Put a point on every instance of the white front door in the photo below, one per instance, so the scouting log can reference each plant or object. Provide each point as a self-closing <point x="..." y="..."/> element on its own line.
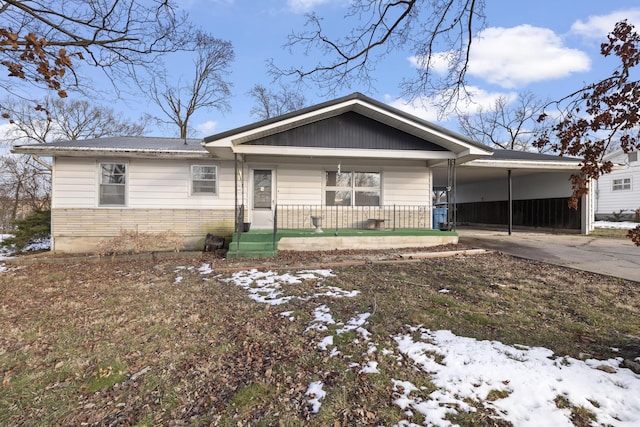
<point x="263" y="198"/>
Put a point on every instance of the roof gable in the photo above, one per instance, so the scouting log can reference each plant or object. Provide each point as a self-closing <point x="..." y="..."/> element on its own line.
<point x="349" y="130"/>
<point x="434" y="138"/>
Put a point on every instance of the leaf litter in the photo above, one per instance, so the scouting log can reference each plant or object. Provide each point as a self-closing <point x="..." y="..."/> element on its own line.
<point x="199" y="345"/>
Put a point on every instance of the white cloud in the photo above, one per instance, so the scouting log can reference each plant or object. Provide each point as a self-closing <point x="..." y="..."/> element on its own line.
<point x="428" y="109"/>
<point x="514" y="57"/>
<point x="207" y="128"/>
<point x="597" y="27"/>
<point x="302" y="6"/>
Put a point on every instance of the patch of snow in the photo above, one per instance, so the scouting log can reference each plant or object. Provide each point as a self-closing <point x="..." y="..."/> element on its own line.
<point x="205" y="269"/>
<point x="355" y="324"/>
<point x="39" y="245"/>
<point x="371" y="368"/>
<point x="325" y="342"/>
<point x="444" y="291"/>
<point x="533" y="378"/>
<point x="266" y="287"/>
<point x="625" y="225"/>
<point x="177" y="280"/>
<point x="316" y="393"/>
<point x="288" y="314"/>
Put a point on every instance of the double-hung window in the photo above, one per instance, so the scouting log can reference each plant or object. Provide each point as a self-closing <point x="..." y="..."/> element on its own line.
<point x="113" y="182"/>
<point x="204" y="179"/>
<point x="622" y="184"/>
<point x="352" y="188"/>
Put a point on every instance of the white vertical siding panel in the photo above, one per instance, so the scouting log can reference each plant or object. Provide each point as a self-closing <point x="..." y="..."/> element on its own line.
<point x="75" y="183"/>
<point x="408" y="186"/>
<point x="296" y="185"/>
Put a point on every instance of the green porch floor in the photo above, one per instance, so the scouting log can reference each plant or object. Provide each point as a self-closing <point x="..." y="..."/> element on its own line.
<point x="260" y="243"/>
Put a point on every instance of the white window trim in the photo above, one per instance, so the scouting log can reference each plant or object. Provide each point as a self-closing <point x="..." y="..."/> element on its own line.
<point x="217" y="182"/>
<point x="125" y="185"/>
<point x="353" y="188"/>
<point x="620" y="182"/>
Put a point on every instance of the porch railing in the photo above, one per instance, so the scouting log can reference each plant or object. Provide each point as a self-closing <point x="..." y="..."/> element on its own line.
<point x="386" y="217"/>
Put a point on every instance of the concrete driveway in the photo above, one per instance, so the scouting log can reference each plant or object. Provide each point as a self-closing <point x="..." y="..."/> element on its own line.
<point x="613" y="257"/>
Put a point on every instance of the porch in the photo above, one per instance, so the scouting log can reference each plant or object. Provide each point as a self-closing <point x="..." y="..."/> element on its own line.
<point x="325" y="228"/>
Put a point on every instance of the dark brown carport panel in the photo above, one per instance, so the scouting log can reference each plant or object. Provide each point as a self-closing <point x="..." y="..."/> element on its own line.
<point x="543" y="213"/>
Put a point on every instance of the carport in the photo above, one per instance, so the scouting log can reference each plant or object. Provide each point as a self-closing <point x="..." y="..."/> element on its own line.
<point x="516" y="188"/>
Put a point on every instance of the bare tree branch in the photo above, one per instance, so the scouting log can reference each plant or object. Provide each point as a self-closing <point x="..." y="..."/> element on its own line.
<point x="272" y="104"/>
<point x="208" y="88"/>
<point x="506" y="125"/>
<point x="435" y="30"/>
<point x="42" y="42"/>
<point x="607" y="112"/>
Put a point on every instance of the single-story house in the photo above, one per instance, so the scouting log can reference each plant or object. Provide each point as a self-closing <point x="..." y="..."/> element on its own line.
<point x="352" y="162"/>
<point x="618" y="192"/>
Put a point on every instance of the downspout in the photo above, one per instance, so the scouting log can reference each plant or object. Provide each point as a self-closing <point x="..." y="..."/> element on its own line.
<point x="41" y="162"/>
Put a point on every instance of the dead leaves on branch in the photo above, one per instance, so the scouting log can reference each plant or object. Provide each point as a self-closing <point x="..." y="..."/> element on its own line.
<point x="601" y="115"/>
<point x="30" y="58"/>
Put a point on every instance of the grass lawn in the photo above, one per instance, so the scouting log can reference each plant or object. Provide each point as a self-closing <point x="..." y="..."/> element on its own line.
<point x="168" y="342"/>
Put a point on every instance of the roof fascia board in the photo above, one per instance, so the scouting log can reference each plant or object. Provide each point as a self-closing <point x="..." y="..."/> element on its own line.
<point x="94" y="152"/>
<point x="523" y="164"/>
<point x="443" y="138"/>
<point x="341" y="152"/>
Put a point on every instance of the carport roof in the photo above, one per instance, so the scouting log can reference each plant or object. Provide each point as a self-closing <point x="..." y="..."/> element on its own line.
<point x="496" y="166"/>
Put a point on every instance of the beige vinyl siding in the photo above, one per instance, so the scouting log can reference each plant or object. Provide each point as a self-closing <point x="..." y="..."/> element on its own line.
<point x="151" y="183"/>
<point x="75" y="183"/>
<point x="409" y="186"/>
<point x="299" y="185"/>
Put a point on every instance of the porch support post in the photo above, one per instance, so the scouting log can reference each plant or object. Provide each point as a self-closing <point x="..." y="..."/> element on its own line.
<point x="510" y="202"/>
<point x="235" y="193"/>
<point x="452" y="210"/>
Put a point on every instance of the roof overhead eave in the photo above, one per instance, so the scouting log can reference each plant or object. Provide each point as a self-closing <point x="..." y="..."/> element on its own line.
<point x="93" y="152"/>
<point x="525" y="164"/>
<point x="340" y="152"/>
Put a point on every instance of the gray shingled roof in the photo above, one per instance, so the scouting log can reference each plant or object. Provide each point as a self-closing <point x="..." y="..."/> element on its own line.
<point x="125" y="143"/>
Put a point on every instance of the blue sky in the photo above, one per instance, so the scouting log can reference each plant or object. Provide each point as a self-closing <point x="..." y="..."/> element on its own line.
<point x="551" y="49"/>
<point x="547" y="47"/>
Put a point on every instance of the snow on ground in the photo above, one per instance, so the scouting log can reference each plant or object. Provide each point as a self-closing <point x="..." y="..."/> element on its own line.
<point x="625" y="225"/>
<point x="528" y="381"/>
<point x="531" y="377"/>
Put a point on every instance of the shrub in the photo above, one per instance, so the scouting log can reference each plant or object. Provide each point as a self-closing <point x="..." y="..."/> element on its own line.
<point x="31" y="229"/>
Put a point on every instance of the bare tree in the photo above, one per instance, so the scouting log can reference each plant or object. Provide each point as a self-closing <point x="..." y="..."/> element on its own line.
<point x="42" y="42"/>
<point x="380" y="27"/>
<point x="506" y="125"/>
<point x="598" y="115"/>
<point x="25" y="181"/>
<point x="68" y="120"/>
<point x="271" y="104"/>
<point x="25" y="186"/>
<point x="208" y="89"/>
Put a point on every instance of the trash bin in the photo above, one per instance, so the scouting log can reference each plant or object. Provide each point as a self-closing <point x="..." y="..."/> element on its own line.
<point x="439" y="216"/>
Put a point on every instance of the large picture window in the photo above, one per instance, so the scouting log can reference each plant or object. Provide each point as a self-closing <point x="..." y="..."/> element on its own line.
<point x="113" y="181"/>
<point x="352" y="188"/>
<point x="204" y="179"/>
<point x="622" y="184"/>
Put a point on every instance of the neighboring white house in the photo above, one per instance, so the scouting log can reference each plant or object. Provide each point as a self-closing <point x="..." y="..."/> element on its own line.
<point x="618" y="192"/>
<point x="353" y="157"/>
